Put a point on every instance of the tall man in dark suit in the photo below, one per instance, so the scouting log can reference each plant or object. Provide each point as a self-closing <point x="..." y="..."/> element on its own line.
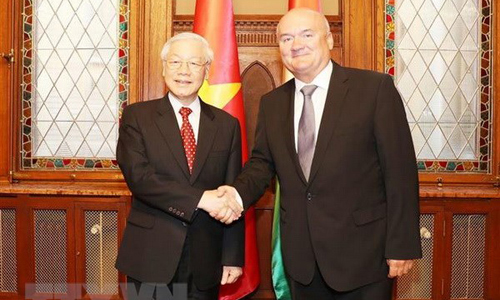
<point x="338" y="140"/>
<point x="170" y="151"/>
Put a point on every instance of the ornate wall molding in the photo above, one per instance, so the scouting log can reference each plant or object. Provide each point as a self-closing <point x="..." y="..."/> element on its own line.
<point x="258" y="31"/>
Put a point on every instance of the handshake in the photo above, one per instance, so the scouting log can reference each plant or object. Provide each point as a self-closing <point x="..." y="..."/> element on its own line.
<point x="221" y="204"/>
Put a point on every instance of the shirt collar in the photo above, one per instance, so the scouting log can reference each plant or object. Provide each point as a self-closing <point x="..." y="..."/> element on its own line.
<point x="177" y="105"/>
<point x="321" y="80"/>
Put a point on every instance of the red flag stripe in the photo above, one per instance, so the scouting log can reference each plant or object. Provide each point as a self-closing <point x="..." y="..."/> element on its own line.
<point x="237" y="109"/>
<point x="312" y="4"/>
<point x="214" y="20"/>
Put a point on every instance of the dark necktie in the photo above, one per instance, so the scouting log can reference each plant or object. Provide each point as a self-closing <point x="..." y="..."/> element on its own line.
<point x="188" y="140"/>
<point x="306" y="132"/>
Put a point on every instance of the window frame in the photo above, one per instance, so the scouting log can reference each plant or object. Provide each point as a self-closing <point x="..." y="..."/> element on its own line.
<point x="452" y="178"/>
<point x="135" y="61"/>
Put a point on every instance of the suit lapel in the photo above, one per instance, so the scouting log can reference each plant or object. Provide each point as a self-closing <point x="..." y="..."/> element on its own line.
<point x="167" y="124"/>
<point x="206" y="137"/>
<point x="335" y="97"/>
<point x="289" y="96"/>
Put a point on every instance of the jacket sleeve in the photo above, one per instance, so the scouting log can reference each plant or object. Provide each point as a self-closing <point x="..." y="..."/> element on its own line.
<point x="151" y="188"/>
<point x="397" y="158"/>
<point x="259" y="170"/>
<point x="233" y="253"/>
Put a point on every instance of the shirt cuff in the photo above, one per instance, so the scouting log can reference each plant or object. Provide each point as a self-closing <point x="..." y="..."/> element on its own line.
<point x="238" y="198"/>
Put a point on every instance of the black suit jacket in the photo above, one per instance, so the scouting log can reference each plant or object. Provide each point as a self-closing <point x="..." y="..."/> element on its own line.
<point x="360" y="205"/>
<point x="165" y="196"/>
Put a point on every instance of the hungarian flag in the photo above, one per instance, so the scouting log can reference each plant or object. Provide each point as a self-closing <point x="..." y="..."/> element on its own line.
<point x="214" y="20"/>
<point x="280" y="281"/>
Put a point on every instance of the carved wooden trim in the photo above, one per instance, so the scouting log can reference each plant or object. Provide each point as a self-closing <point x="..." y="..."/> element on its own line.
<point x="266" y="69"/>
<point x="257" y="31"/>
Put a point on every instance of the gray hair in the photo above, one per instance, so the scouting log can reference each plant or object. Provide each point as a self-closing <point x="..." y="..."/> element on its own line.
<point x="209" y="53"/>
<point x="325" y="20"/>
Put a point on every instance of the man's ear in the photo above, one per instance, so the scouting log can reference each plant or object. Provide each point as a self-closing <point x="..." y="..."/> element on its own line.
<point x="207" y="71"/>
<point x="329" y="40"/>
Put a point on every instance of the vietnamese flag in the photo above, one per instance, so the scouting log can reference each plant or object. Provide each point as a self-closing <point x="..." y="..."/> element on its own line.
<point x="214" y="21"/>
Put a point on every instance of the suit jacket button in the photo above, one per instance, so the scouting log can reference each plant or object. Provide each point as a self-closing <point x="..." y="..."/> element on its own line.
<point x="182" y="214"/>
<point x="178" y="213"/>
<point x="170" y="208"/>
<point x="309" y="196"/>
<point x="174" y="210"/>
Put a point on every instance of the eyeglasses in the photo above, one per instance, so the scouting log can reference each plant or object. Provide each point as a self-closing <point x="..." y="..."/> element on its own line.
<point x="192" y="65"/>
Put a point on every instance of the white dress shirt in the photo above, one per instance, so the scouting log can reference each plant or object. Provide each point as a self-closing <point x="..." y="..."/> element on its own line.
<point x="322" y="80"/>
<point x="194" y="117"/>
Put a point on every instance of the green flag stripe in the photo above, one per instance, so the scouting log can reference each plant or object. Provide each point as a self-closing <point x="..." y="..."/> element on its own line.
<point x="280" y="281"/>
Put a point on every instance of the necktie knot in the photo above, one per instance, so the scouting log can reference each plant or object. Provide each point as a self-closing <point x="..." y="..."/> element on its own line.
<point x="185" y="112"/>
<point x="308" y="90"/>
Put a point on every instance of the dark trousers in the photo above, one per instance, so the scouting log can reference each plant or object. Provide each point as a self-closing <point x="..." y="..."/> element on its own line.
<point x="181" y="287"/>
<point x="318" y="289"/>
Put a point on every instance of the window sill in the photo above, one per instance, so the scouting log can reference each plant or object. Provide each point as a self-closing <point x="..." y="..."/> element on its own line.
<point x="65" y="189"/>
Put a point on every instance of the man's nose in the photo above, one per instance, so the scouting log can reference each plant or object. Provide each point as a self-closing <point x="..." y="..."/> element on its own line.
<point x="297" y="43"/>
<point x="184" y="68"/>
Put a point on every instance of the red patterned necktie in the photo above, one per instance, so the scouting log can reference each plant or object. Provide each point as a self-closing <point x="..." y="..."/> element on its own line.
<point x="188" y="139"/>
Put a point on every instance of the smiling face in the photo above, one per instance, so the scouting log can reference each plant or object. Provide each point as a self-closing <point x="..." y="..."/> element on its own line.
<point x="181" y="70"/>
<point x="304" y="43"/>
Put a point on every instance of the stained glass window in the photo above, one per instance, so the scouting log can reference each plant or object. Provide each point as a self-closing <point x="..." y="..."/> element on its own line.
<point x="74" y="82"/>
<point x="439" y="52"/>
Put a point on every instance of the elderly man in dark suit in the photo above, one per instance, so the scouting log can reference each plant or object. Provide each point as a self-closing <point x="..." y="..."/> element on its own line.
<point x="338" y="140"/>
<point x="171" y="150"/>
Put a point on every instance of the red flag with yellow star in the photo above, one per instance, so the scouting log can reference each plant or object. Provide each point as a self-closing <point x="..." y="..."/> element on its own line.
<point x="214" y="21"/>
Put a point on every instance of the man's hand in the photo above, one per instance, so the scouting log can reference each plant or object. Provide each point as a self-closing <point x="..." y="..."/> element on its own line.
<point x="230" y="274"/>
<point x="399" y="268"/>
<point x="228" y="191"/>
<point x="221" y="207"/>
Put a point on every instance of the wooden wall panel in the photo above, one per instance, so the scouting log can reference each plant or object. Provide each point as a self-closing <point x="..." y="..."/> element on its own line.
<point x="496" y="98"/>
<point x="73" y="206"/>
<point x="136" y="53"/>
<point x="359" y="19"/>
<point x="256" y="80"/>
<point x="264" y="222"/>
<point x="6" y="73"/>
<point x="493" y="253"/>
<point x="156" y="30"/>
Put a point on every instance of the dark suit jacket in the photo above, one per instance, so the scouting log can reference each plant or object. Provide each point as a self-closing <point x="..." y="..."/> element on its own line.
<point x="152" y="159"/>
<point x="361" y="203"/>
